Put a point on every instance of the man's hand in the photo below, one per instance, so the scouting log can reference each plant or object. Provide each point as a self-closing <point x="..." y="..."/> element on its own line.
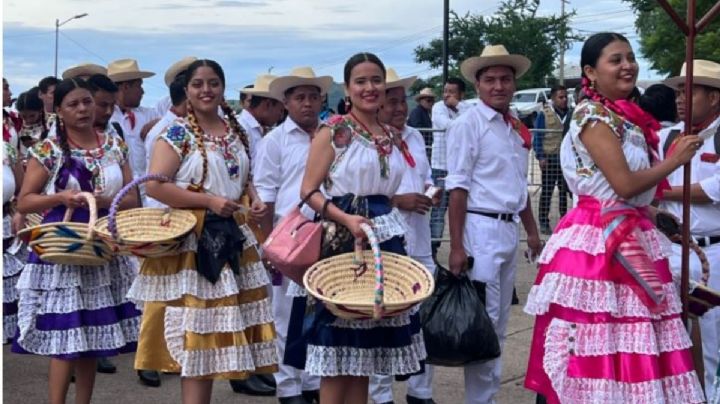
<point x="414" y="202"/>
<point x="457" y="261"/>
<point x="535" y="245"/>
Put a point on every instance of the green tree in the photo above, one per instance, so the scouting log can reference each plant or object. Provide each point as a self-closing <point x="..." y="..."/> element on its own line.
<point x="662" y="42"/>
<point x="515" y="25"/>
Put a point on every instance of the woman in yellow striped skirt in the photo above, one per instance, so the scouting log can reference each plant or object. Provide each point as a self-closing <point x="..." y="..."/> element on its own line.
<point x="206" y="312"/>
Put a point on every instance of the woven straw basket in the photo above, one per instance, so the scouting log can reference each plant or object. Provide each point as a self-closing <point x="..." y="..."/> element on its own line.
<point x="144" y="232"/>
<point x="66" y="242"/>
<point x="351" y="289"/>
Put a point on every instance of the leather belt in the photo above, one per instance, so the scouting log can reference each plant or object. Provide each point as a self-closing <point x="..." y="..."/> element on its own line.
<point x="703" y="241"/>
<point x="508" y="217"/>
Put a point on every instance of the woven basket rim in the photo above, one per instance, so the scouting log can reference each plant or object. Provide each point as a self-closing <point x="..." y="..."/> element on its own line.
<point x="52" y="255"/>
<point x="369" y="303"/>
<point x="101" y="226"/>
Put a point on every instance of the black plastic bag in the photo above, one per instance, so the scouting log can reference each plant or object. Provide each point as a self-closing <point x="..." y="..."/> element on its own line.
<point x="456" y="327"/>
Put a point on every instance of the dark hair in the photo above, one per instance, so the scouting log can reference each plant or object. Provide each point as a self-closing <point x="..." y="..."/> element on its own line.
<point x="62" y="89"/>
<point x="30" y="101"/>
<point x="290" y="91"/>
<point x="177" y="90"/>
<point x="47" y="82"/>
<point x="659" y="101"/>
<point x="358" y="58"/>
<point x="256" y="100"/>
<point x="99" y="82"/>
<point x="484" y="69"/>
<point x="593" y="47"/>
<point x="460" y="83"/>
<point x="243" y="95"/>
<point x="556" y="88"/>
<point x="229" y="113"/>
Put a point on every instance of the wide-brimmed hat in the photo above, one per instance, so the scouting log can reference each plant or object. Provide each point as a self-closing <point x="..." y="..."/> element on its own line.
<point x="83" y="69"/>
<point x="261" y="88"/>
<point x="300" y="76"/>
<point x="426" y="92"/>
<point x="494" y="55"/>
<point x="705" y="72"/>
<point x="392" y="80"/>
<point x="177" y="68"/>
<point x="125" y="70"/>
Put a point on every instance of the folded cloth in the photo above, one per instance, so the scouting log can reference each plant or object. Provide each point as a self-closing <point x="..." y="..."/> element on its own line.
<point x="220" y="243"/>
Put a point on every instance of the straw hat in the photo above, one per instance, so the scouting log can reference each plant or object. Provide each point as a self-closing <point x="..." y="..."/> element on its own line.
<point x="300" y="76"/>
<point x="426" y="92"/>
<point x="177" y="68"/>
<point x="125" y="70"/>
<point x="83" y="69"/>
<point x="261" y="88"/>
<point x="494" y="55"/>
<point x="705" y="72"/>
<point x="392" y="80"/>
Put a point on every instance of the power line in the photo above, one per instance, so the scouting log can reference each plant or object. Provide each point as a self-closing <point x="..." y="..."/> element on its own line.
<point x="81" y="46"/>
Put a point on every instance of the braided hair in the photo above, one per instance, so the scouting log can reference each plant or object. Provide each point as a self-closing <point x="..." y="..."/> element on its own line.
<point x="61" y="91"/>
<point x="200" y="142"/>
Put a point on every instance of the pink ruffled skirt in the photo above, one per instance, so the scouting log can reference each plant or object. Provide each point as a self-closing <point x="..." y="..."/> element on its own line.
<point x="595" y="341"/>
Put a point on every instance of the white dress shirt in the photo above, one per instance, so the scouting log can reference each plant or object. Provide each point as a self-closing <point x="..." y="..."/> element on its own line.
<point x="704" y="218"/>
<point x="280" y="166"/>
<point x="441" y="118"/>
<point x="486" y="157"/>
<point x="414" y="181"/>
<point x="150" y="139"/>
<point x="131" y="134"/>
<point x="254" y="131"/>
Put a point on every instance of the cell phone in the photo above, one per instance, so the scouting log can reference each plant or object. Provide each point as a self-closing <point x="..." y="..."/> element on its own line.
<point x="432" y="191"/>
<point x="469" y="263"/>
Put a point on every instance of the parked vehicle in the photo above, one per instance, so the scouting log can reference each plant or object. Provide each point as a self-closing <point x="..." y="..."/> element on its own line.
<point x="528" y="103"/>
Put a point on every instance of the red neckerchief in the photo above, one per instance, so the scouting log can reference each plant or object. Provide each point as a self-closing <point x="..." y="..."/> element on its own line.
<point x="404" y="149"/>
<point x="696" y="129"/>
<point x="519" y="128"/>
<point x="131" y="116"/>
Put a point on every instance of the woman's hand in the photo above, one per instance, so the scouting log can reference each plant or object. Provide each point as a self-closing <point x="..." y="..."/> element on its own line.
<point x="685" y="148"/>
<point x="258" y="210"/>
<point x="71" y="199"/>
<point x="414" y="202"/>
<point x="222" y="206"/>
<point x="353" y="222"/>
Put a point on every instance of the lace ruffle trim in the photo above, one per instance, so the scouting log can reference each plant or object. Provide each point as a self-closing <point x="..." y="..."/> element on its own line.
<point x="591" y="296"/>
<point x="211" y="361"/>
<point x="147" y="288"/>
<point x="389" y="225"/>
<point x="590" y="239"/>
<point x="350" y="361"/>
<point x="647" y="338"/>
<point x="13" y="264"/>
<point x="49" y="277"/>
<point x="221" y="319"/>
<point x="10" y="323"/>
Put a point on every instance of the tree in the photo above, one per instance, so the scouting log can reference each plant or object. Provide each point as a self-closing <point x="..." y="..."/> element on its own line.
<point x="516" y="25"/>
<point x="662" y="42"/>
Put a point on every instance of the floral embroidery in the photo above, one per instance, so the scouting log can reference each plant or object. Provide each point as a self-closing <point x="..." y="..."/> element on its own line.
<point x="45" y="153"/>
<point x="10" y="155"/>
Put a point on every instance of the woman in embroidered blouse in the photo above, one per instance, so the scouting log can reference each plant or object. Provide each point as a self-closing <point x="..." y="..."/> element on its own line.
<point x="14" y="255"/>
<point x="32" y="112"/>
<point x="608" y="325"/>
<point x="206" y="310"/>
<point x="75" y="314"/>
<point x="355" y="157"/>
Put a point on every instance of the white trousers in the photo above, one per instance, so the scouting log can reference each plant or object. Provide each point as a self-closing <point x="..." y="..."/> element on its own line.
<point x="710" y="322"/>
<point x="493" y="243"/>
<point x="419" y="386"/>
<point x="290" y="381"/>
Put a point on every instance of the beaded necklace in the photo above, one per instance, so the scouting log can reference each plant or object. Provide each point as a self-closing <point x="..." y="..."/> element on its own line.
<point x="382" y="145"/>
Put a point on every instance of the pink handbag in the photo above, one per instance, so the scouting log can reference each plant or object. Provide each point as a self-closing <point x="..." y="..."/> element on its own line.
<point x="294" y="244"/>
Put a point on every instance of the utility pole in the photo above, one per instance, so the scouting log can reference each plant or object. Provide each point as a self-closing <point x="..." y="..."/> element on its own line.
<point x="446" y="38"/>
<point x="561" y="79"/>
<point x="58" y="24"/>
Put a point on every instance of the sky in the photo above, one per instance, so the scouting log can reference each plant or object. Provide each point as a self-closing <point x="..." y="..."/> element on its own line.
<point x="250" y="37"/>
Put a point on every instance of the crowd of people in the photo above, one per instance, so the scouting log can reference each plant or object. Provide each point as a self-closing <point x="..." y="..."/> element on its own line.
<point x="608" y="315"/>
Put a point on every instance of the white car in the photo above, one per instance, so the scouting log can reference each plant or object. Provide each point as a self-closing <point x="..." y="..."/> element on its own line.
<point x="528" y="103"/>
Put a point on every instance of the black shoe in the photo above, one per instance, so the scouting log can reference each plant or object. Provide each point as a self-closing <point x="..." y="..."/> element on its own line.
<point x="105" y="366"/>
<point x="414" y="400"/>
<point x="515" y="299"/>
<point x="293" y="400"/>
<point x="311" y="396"/>
<point x="268" y="379"/>
<point x="252" y="386"/>
<point x="149" y="378"/>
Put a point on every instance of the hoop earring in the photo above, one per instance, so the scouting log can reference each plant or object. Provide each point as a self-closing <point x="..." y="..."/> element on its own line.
<point x="592" y="84"/>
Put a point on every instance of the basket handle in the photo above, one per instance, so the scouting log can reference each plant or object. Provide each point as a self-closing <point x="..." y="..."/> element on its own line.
<point x="114" y="206"/>
<point x="92" y="207"/>
<point x="379" y="308"/>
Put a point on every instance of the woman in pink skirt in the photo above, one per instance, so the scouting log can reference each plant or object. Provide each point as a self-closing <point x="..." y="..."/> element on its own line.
<point x="608" y="327"/>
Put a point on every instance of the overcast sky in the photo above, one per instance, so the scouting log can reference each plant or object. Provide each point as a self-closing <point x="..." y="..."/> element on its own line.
<point x="248" y="37"/>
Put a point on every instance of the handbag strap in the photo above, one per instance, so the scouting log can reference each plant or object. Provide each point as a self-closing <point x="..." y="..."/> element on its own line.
<point x="307" y="197"/>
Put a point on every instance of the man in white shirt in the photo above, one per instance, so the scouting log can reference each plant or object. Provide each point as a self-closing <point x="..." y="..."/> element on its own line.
<point x="415" y="206"/>
<point x="487" y="155"/>
<point x="263" y="111"/>
<point x="131" y="117"/>
<point x="279" y="169"/>
<point x="704" y="194"/>
<point x="444" y="112"/>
